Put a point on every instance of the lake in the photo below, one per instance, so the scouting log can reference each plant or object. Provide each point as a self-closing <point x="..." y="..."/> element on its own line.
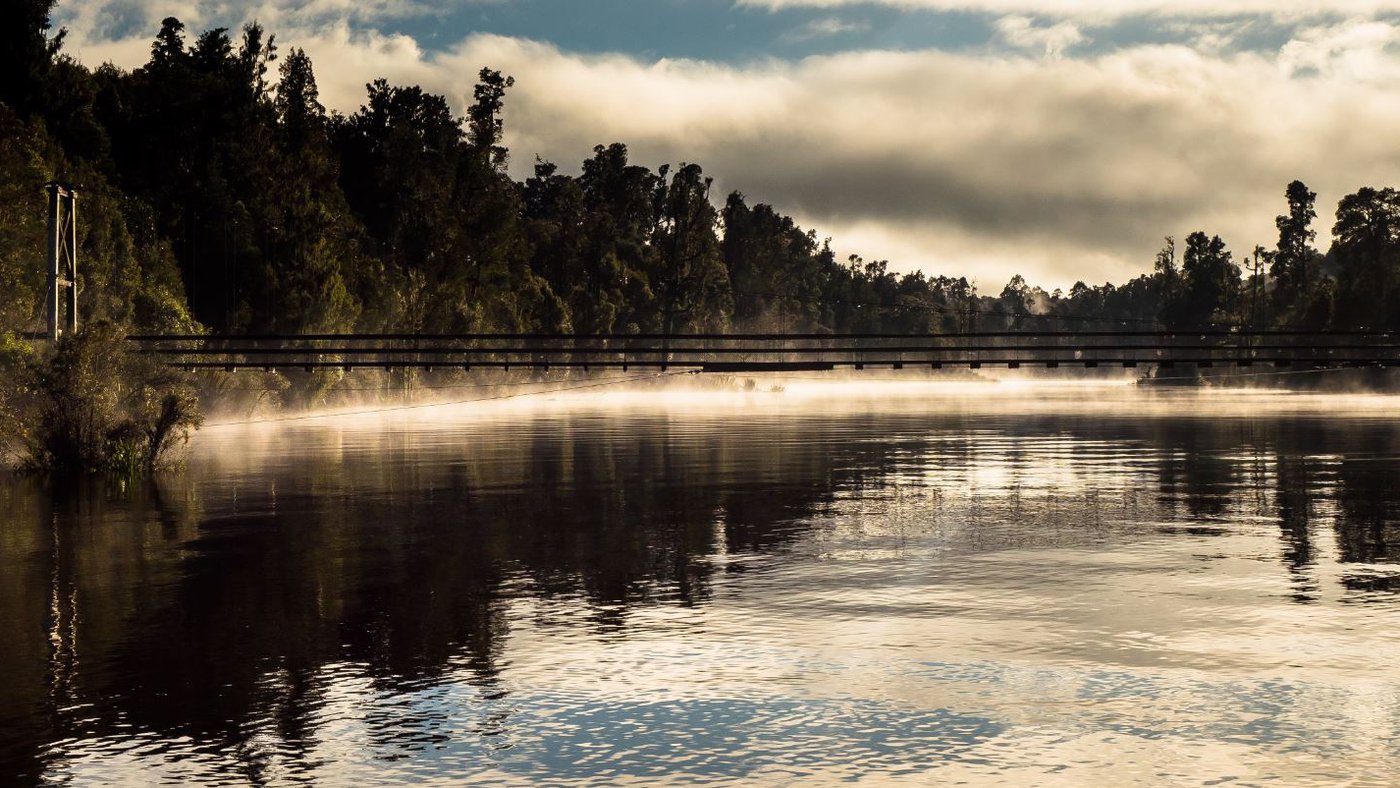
<point x="897" y="583"/>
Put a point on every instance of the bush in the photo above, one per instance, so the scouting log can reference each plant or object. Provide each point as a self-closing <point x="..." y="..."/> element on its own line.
<point x="92" y="404"/>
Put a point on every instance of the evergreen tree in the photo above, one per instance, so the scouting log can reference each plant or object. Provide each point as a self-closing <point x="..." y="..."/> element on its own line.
<point x="1294" y="265"/>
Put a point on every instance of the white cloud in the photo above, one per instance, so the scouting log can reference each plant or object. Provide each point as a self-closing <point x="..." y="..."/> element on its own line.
<point x="121" y="30"/>
<point x="965" y="163"/>
<point x="1022" y="32"/>
<point x="1113" y="9"/>
<point x="1352" y="51"/>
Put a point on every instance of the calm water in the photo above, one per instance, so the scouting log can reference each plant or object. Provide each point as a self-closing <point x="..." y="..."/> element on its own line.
<point x="983" y="583"/>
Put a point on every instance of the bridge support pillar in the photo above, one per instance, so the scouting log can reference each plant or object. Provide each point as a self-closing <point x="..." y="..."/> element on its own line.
<point x="63" y="259"/>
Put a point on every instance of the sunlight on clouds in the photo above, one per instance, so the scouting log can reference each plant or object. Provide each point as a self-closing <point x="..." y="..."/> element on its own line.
<point x="127" y="52"/>
<point x="1022" y="32"/>
<point x="120" y="18"/>
<point x="1063" y="163"/>
<point x="121" y="31"/>
<point x="1112" y="9"/>
<point x="944" y="249"/>
<point x="969" y="163"/>
<point x="1355" y="51"/>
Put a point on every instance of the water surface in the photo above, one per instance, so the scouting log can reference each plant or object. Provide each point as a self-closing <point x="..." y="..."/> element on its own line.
<point x="1063" y="584"/>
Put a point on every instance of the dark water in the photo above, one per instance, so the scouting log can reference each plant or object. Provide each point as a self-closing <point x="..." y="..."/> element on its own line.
<point x="1053" y="586"/>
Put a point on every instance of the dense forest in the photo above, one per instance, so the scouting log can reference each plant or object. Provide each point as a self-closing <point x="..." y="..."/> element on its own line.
<point x="219" y="194"/>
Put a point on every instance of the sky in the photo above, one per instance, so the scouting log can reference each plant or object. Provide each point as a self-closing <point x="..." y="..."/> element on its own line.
<point x="1058" y="139"/>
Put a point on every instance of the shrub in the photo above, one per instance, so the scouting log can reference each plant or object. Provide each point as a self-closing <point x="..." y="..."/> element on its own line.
<point x="92" y="404"/>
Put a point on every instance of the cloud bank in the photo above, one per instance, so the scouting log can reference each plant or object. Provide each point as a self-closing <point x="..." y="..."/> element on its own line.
<point x="1112" y="9"/>
<point x="975" y="163"/>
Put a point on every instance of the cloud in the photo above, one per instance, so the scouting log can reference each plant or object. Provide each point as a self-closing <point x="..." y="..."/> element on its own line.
<point x="120" y="31"/>
<point x="825" y="27"/>
<point x="966" y="163"/>
<point x="969" y="163"/>
<point x="1022" y="32"/>
<point x="1356" y="52"/>
<point x="1113" y="9"/>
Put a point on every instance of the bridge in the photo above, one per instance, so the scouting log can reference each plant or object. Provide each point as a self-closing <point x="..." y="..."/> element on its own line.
<point x="783" y="352"/>
<point x="720" y="353"/>
<point x="723" y="352"/>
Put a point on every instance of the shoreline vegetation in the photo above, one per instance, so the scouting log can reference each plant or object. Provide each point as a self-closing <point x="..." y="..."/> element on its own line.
<point x="91" y="405"/>
<point x="219" y="195"/>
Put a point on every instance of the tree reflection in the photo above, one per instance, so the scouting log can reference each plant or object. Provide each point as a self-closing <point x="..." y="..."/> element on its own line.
<point x="226" y="614"/>
<point x="1368" y="520"/>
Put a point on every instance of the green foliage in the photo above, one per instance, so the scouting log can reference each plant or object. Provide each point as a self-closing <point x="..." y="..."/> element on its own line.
<point x="92" y="404"/>
<point x="17" y="362"/>
<point x="23" y="170"/>
<point x="215" y="192"/>
<point x="775" y="269"/>
<point x="126" y="272"/>
<point x="687" y="273"/>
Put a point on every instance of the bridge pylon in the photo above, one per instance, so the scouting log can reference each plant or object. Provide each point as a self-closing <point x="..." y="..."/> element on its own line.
<point x="63" y="259"/>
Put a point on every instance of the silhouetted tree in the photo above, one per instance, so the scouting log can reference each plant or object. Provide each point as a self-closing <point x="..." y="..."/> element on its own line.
<point x="1295" y="265"/>
<point x="618" y="255"/>
<point x="1366" y="246"/>
<point x="689" y="279"/>
<point x="1207" y="291"/>
<point x="485" y="127"/>
<point x="773" y="271"/>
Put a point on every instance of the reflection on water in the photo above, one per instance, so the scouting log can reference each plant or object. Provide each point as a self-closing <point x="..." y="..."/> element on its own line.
<point x="1071" y="584"/>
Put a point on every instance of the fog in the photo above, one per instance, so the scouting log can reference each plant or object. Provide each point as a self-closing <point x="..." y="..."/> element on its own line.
<point x="1113" y="392"/>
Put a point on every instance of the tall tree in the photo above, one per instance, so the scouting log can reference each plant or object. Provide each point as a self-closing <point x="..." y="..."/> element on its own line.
<point x="497" y="288"/>
<point x="554" y="221"/>
<point x="1212" y="282"/>
<point x="1168" y="275"/>
<point x="298" y="101"/>
<point x="1294" y="264"/>
<point x="399" y="157"/>
<point x="1205" y="293"/>
<point x="1366" y="245"/>
<point x="308" y="278"/>
<point x="773" y="273"/>
<point x="618" y="256"/>
<point x="689" y="279"/>
<point x="485" y="126"/>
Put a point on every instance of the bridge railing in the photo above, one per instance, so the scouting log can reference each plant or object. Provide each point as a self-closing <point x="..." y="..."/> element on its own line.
<point x="756" y="352"/>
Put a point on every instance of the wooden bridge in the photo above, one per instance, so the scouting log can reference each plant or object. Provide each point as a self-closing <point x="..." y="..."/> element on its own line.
<point x="748" y="352"/>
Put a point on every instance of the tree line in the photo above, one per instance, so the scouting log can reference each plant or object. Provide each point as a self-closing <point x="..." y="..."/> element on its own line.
<point x="219" y="194"/>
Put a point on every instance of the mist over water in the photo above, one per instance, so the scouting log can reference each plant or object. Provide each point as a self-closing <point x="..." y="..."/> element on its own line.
<point x="885" y="582"/>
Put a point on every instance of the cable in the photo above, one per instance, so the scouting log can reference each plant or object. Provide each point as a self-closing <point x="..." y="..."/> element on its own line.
<point x="449" y="386"/>
<point x="1268" y="374"/>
